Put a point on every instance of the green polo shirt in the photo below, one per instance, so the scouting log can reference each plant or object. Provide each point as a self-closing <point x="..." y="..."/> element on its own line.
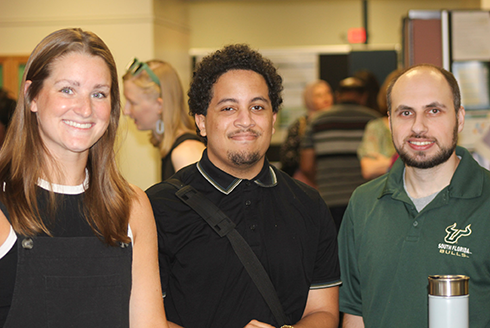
<point x="387" y="249"/>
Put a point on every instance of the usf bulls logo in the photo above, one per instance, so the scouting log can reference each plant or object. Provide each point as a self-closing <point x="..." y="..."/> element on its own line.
<point x="454" y="234"/>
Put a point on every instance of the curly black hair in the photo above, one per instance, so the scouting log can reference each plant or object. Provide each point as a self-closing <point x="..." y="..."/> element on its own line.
<point x="231" y="57"/>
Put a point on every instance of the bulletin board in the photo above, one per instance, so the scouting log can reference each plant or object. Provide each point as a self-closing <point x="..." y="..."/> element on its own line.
<point x="470" y="64"/>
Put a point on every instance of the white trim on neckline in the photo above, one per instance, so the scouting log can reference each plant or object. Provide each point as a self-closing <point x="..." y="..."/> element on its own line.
<point x="62" y="189"/>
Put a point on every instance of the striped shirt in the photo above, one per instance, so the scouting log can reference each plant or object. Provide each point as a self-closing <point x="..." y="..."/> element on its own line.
<point x="335" y="136"/>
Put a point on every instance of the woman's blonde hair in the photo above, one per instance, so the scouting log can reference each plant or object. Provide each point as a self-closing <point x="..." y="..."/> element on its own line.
<point x="24" y="157"/>
<point x="175" y="115"/>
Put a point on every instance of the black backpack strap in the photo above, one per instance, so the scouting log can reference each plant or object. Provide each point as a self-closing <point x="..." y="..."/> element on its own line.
<point x="225" y="227"/>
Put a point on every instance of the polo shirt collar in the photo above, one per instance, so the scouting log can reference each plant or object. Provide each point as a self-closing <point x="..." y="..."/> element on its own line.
<point x="226" y="183"/>
<point x="394" y="182"/>
<point x="467" y="181"/>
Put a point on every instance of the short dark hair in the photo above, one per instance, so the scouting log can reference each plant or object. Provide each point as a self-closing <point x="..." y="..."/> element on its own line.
<point x="231" y="57"/>
<point x="451" y="80"/>
<point x="352" y="84"/>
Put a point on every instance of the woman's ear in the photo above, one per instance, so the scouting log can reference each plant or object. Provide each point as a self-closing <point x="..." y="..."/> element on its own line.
<point x="160" y="105"/>
<point x="27" y="85"/>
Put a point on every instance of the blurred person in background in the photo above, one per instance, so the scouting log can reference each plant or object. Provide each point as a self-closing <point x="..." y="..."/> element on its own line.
<point x="317" y="96"/>
<point x="376" y="151"/>
<point x="329" y="147"/>
<point x="372" y="87"/>
<point x="155" y="101"/>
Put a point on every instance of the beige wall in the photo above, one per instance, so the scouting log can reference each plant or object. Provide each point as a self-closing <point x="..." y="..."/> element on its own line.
<point x="485" y="4"/>
<point x="266" y="24"/>
<point x="172" y="36"/>
<point x="167" y="29"/>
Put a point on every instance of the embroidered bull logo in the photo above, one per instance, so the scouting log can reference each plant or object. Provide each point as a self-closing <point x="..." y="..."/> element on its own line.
<point x="454" y="234"/>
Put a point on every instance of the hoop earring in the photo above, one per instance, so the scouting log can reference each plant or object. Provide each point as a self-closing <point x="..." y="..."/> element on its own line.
<point x="160" y="127"/>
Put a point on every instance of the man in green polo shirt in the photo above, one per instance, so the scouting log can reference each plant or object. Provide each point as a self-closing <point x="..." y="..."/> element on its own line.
<point x="429" y="215"/>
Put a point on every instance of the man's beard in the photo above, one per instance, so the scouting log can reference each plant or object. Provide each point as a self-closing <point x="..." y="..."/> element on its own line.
<point x="243" y="158"/>
<point x="441" y="157"/>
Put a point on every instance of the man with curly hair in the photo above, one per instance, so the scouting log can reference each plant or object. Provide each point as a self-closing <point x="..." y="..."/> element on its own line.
<point x="235" y="96"/>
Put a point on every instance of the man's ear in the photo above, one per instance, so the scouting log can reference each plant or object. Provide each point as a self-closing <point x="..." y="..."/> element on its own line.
<point x="389" y="119"/>
<point x="274" y="117"/>
<point x="201" y="124"/>
<point x="461" y="114"/>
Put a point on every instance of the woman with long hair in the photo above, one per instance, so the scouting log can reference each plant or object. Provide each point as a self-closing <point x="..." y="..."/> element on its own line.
<point x="78" y="244"/>
<point x="155" y="101"/>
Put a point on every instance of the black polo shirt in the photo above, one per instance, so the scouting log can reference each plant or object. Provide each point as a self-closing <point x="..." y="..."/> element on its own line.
<point x="286" y="223"/>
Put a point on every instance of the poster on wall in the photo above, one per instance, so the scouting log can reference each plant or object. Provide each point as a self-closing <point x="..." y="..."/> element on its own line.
<point x="473" y="80"/>
<point x="470" y="31"/>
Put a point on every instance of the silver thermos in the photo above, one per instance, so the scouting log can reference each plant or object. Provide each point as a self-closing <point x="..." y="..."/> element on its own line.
<point x="448" y="301"/>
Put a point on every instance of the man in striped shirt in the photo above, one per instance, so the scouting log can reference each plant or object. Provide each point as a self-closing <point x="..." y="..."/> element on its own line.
<point x="329" y="147"/>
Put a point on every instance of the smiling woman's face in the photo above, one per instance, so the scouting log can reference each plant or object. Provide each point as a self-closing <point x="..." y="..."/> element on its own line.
<point x="74" y="105"/>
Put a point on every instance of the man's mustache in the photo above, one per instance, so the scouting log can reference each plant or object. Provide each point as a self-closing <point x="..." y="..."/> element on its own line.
<point x="245" y="131"/>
